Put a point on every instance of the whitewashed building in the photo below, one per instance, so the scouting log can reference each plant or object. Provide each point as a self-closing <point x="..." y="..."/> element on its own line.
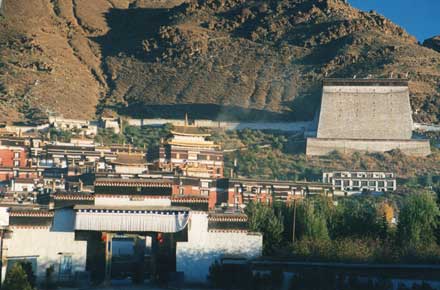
<point x="33" y="235"/>
<point x="210" y="238"/>
<point x="355" y="182"/>
<point x="84" y="127"/>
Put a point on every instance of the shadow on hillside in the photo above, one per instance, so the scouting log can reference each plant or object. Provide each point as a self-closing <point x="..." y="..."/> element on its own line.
<point x="128" y="29"/>
<point x="199" y="111"/>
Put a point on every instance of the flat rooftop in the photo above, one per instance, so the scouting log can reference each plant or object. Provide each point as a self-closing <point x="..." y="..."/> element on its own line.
<point x="366" y="82"/>
<point x="131" y="208"/>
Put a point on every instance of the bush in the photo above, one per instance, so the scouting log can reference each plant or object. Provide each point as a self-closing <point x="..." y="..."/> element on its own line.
<point x="60" y="135"/>
<point x="344" y="250"/>
<point x="16" y="279"/>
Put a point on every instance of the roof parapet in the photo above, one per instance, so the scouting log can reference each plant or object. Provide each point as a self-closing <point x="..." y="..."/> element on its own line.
<point x="366" y="82"/>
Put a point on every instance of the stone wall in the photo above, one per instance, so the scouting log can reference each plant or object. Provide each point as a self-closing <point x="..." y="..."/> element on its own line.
<point x="365" y="112"/>
<point x="318" y="147"/>
<point x="204" y="247"/>
<point x="228" y="125"/>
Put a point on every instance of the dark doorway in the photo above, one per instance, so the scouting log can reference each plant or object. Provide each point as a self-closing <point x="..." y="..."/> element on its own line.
<point x="131" y="258"/>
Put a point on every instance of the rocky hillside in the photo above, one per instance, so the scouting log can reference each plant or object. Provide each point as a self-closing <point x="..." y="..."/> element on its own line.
<point x="213" y="58"/>
<point x="433" y="43"/>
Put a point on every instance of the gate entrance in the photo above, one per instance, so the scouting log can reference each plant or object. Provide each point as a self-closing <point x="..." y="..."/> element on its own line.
<point x="137" y="243"/>
<point x="131" y="258"/>
<point x="140" y="257"/>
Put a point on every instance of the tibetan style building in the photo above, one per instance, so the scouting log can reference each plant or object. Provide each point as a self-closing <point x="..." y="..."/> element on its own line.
<point x="130" y="163"/>
<point x="189" y="153"/>
<point x="234" y="192"/>
<point x="127" y="229"/>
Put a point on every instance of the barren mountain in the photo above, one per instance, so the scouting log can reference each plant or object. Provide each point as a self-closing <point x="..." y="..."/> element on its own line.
<point x="212" y="58"/>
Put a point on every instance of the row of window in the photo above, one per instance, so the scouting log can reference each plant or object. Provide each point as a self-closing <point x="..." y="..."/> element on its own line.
<point x="380" y="183"/>
<point x="195" y="156"/>
<point x="364" y="175"/>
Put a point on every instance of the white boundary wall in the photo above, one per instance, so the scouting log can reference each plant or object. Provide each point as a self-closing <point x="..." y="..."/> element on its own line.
<point x="227" y="125"/>
<point x="205" y="247"/>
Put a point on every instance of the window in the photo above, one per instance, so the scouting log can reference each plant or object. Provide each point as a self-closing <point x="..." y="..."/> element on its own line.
<point x="65" y="273"/>
<point x="16" y="154"/>
<point x="355" y="182"/>
<point x="364" y="183"/>
<point x="16" y="163"/>
<point x="381" y="183"/>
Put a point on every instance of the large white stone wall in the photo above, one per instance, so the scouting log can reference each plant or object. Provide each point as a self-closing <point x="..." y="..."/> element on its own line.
<point x="365" y="112"/>
<point x="203" y="248"/>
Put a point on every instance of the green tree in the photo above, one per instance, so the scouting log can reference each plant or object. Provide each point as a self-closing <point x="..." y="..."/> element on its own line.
<point x="16" y="279"/>
<point x="418" y="220"/>
<point x="356" y="217"/>
<point x="262" y="218"/>
<point x="60" y="135"/>
<point x="312" y="222"/>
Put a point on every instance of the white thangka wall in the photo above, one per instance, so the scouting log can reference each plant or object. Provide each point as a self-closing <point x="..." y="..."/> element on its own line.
<point x="204" y="247"/>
